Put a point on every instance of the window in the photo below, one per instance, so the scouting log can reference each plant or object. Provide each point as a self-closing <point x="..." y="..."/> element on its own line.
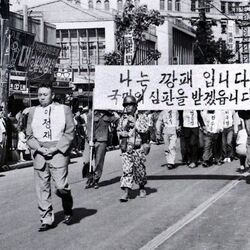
<point x="223" y="7"/>
<point x="82" y="34"/>
<point x="230" y="8"/>
<point x="237" y="28"/>
<point x="98" y="4"/>
<point x="90" y="3"/>
<point x="101" y="52"/>
<point x="106" y="5"/>
<point x="92" y="34"/>
<point x="57" y="33"/>
<point x="162" y="4"/>
<point x="65" y="34"/>
<point x="169" y="4"/>
<point x="119" y="4"/>
<point x="223" y="28"/>
<point x="177" y="5"/>
<point x="101" y="34"/>
<point x="193" y="5"/>
<point x="64" y="50"/>
<point x="237" y="7"/>
<point x="73" y="33"/>
<point x="207" y="9"/>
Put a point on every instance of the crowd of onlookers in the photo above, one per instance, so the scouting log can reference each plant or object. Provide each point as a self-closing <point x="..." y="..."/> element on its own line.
<point x="206" y="137"/>
<point x="13" y="146"/>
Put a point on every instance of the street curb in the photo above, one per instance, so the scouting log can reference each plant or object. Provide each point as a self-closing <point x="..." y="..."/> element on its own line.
<point x="27" y="164"/>
<point x="17" y="165"/>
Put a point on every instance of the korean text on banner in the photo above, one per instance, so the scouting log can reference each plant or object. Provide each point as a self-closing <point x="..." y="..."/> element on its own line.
<point x="213" y="86"/>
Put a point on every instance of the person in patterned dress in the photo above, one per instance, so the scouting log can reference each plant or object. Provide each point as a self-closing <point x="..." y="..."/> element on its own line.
<point x="133" y="131"/>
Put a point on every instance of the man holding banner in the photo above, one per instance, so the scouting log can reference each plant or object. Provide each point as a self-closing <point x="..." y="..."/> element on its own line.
<point x="134" y="136"/>
<point x="101" y="123"/>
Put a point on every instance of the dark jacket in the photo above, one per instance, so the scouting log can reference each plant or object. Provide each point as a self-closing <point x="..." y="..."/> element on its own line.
<point x="102" y="122"/>
<point x="244" y="114"/>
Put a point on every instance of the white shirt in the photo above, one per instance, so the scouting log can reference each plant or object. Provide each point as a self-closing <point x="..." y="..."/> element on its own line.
<point x="190" y="119"/>
<point x="228" y="120"/>
<point x="213" y="121"/>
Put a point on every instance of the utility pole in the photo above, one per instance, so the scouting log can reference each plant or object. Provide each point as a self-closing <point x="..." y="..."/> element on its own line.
<point x="244" y="23"/>
<point x="5" y="49"/>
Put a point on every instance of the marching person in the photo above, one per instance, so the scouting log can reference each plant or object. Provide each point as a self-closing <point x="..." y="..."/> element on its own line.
<point x="227" y="134"/>
<point x="245" y="115"/>
<point x="190" y="121"/>
<point x="212" y="145"/>
<point x="133" y="131"/>
<point x="50" y="132"/>
<point x="102" y="121"/>
<point x="241" y="148"/>
<point x="169" y="121"/>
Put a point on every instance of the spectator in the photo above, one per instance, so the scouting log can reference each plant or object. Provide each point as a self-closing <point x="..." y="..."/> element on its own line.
<point x="21" y="144"/>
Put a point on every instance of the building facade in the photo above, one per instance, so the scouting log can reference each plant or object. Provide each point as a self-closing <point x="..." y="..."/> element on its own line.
<point x="226" y="13"/>
<point x="175" y="37"/>
<point x="84" y="36"/>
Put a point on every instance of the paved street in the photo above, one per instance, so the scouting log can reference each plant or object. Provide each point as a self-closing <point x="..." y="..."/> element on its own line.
<point x="185" y="209"/>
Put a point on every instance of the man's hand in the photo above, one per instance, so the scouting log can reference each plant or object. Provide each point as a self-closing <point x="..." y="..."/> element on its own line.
<point x="51" y="151"/>
<point x="42" y="150"/>
<point x="124" y="134"/>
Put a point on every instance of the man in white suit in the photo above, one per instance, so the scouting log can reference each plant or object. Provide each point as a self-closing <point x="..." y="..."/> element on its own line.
<point x="50" y="132"/>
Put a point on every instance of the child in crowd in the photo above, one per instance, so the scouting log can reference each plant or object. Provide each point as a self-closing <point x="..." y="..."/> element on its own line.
<point x="21" y="144"/>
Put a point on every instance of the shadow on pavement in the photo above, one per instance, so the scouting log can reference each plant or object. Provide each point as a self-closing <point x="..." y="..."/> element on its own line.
<point x="247" y="179"/>
<point x="135" y="192"/>
<point x="178" y="164"/>
<point x="194" y="177"/>
<point x="109" y="182"/>
<point x="2" y="175"/>
<point x="78" y="214"/>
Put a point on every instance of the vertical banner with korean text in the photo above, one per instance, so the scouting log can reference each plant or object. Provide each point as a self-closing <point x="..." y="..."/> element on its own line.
<point x="213" y="86"/>
<point x="21" y="44"/>
<point x="43" y="60"/>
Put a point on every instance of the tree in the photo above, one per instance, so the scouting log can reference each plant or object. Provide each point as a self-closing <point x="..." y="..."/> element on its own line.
<point x="206" y="49"/>
<point x="223" y="54"/>
<point x="134" y="20"/>
<point x="205" y="46"/>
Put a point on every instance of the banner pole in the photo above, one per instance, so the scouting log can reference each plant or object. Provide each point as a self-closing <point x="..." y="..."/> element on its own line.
<point x="91" y="143"/>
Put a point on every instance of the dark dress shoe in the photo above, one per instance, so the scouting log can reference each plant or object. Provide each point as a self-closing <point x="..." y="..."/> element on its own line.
<point x="67" y="219"/>
<point x="44" y="227"/>
<point x="170" y="166"/>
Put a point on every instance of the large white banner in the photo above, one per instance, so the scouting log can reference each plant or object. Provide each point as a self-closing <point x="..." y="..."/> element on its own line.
<point x="213" y="86"/>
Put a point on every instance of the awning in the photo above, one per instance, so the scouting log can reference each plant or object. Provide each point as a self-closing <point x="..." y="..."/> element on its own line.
<point x="21" y="96"/>
<point x="62" y="90"/>
<point x="83" y="94"/>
